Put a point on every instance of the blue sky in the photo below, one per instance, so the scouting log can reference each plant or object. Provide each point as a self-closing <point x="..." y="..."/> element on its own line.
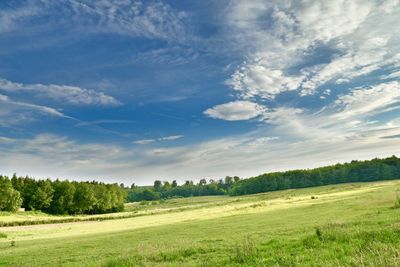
<point x="130" y="91"/>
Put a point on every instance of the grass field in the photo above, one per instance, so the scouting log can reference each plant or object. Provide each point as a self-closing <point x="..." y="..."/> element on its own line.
<point x="340" y="225"/>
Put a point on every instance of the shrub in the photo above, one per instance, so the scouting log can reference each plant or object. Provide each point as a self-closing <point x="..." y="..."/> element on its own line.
<point x="397" y="201"/>
<point x="318" y="233"/>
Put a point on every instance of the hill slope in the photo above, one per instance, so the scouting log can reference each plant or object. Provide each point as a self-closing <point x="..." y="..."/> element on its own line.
<point x="330" y="225"/>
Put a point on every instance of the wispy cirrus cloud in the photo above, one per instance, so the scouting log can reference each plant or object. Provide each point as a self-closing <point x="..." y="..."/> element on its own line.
<point x="100" y="122"/>
<point x="164" y="138"/>
<point x="133" y="18"/>
<point x="12" y="16"/>
<point x="17" y="112"/>
<point x="368" y="101"/>
<point x="144" y="141"/>
<point x="65" y="94"/>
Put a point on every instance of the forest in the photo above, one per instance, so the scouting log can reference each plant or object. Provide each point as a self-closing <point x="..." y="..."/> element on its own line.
<point x="355" y="171"/>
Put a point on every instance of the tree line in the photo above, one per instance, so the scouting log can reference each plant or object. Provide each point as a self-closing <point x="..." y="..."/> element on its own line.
<point x="355" y="171"/>
<point x="60" y="197"/>
<point x="65" y="197"/>
<point x="163" y="190"/>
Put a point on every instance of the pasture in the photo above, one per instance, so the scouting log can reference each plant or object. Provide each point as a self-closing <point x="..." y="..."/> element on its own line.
<point x="337" y="225"/>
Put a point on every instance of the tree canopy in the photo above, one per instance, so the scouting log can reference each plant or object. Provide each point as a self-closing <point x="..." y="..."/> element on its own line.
<point x="60" y="197"/>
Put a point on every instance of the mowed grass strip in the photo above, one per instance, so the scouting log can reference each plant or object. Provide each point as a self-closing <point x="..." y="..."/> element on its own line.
<point x="344" y="225"/>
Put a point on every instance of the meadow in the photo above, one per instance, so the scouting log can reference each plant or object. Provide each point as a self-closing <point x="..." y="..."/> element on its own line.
<point x="354" y="224"/>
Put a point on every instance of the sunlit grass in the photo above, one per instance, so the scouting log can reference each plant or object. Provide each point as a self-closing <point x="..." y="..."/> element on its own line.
<point x="350" y="224"/>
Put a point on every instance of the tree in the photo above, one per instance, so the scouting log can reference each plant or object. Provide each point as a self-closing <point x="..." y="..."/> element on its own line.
<point x="157" y="185"/>
<point x="149" y="195"/>
<point x="43" y="196"/>
<point x="202" y="182"/>
<point x="166" y="186"/>
<point x="228" y="180"/>
<point x="84" y="198"/>
<point x="174" y="184"/>
<point x="10" y="199"/>
<point x="63" y="198"/>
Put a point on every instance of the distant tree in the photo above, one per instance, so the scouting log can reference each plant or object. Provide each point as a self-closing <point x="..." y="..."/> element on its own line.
<point x="166" y="186"/>
<point x="149" y="195"/>
<point x="157" y="185"/>
<point x="174" y="184"/>
<point x="228" y="180"/>
<point x="202" y="182"/>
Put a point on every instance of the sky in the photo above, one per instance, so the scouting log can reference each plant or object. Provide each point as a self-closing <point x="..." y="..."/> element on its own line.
<point x="132" y="91"/>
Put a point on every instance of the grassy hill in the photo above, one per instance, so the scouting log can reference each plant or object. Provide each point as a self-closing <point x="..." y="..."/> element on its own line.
<point x="337" y="225"/>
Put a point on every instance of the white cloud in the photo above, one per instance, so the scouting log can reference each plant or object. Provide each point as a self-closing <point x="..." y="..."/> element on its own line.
<point x="236" y="111"/>
<point x="11" y="17"/>
<point x="368" y="101"/>
<point x="279" y="38"/>
<point x="393" y="75"/>
<point x="17" y="112"/>
<point x="58" y="156"/>
<point x="127" y="17"/>
<point x="99" y="122"/>
<point x="144" y="141"/>
<point x="281" y="114"/>
<point x="257" y="80"/>
<point x="165" y="138"/>
<point x="61" y="93"/>
<point x="171" y="137"/>
<point x="135" y="18"/>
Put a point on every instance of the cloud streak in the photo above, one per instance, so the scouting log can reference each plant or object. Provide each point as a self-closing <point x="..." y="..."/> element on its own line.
<point x="165" y="138"/>
<point x="65" y="94"/>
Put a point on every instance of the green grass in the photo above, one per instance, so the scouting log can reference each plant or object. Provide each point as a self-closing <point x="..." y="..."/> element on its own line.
<point x="340" y="225"/>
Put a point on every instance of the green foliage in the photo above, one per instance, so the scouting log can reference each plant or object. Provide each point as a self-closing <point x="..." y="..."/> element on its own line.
<point x="10" y="199"/>
<point x="61" y="197"/>
<point x="355" y="171"/>
<point x="173" y="190"/>
<point x="3" y="235"/>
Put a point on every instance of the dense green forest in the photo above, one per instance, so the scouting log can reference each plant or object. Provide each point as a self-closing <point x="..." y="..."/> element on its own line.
<point x="60" y="197"/>
<point x="65" y="197"/>
<point x="355" y="171"/>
